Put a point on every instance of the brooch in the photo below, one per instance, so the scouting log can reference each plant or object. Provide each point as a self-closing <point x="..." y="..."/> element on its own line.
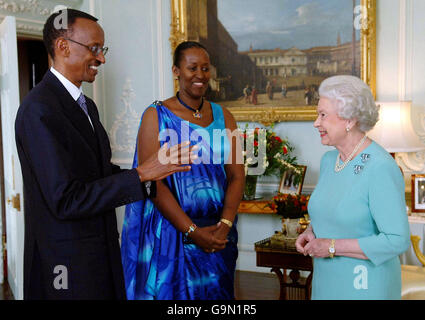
<point x="358" y="168"/>
<point x="365" y="157"/>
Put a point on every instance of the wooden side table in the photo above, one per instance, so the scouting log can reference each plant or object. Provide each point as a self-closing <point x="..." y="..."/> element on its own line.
<point x="255" y="206"/>
<point x="279" y="259"/>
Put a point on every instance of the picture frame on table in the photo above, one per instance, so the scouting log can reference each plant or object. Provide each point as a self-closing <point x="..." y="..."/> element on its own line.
<point x="418" y="193"/>
<point x="290" y="185"/>
<point x="279" y="50"/>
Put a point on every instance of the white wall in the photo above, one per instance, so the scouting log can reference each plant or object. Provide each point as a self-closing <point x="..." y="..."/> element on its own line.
<point x="411" y="83"/>
<point x="137" y="34"/>
<point x="137" y="69"/>
<point x="30" y="18"/>
<point x="400" y="67"/>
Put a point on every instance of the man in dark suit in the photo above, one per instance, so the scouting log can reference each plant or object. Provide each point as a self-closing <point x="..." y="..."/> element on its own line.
<point x="71" y="188"/>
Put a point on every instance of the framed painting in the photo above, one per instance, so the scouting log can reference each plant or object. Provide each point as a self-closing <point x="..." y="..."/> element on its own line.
<point x="418" y="192"/>
<point x="288" y="183"/>
<point x="269" y="57"/>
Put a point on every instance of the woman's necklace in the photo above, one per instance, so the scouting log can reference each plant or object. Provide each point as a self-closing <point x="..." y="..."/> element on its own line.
<point x="197" y="114"/>
<point x="339" y="167"/>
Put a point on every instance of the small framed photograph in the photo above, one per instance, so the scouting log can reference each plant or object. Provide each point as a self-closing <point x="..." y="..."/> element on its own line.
<point x="290" y="182"/>
<point x="418" y="192"/>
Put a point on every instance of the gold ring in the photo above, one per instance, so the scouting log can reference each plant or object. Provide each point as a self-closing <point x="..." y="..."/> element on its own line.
<point x="213" y="250"/>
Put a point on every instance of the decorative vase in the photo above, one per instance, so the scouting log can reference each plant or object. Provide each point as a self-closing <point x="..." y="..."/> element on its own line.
<point x="250" y="187"/>
<point x="291" y="227"/>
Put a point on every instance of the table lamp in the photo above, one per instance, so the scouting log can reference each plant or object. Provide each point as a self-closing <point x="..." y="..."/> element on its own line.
<point x="394" y="131"/>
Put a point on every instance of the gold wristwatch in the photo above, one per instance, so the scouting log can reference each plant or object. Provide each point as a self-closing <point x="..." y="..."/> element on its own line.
<point x="332" y="249"/>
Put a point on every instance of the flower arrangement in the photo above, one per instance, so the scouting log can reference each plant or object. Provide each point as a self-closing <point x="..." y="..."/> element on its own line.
<point x="277" y="156"/>
<point x="290" y="206"/>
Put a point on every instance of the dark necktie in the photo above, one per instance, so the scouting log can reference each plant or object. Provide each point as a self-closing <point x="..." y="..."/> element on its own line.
<point x="82" y="102"/>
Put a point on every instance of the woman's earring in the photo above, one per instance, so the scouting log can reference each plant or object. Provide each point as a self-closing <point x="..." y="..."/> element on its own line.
<point x="347" y="129"/>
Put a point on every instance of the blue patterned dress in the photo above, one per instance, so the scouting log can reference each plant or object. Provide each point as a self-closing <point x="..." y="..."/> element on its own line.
<point x="364" y="201"/>
<point x="159" y="261"/>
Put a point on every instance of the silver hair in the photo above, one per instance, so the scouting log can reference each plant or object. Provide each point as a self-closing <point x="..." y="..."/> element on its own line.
<point x="354" y="100"/>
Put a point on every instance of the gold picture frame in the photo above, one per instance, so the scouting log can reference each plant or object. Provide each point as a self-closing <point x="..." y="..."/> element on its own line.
<point x="287" y="184"/>
<point x="418" y="193"/>
<point x="181" y="31"/>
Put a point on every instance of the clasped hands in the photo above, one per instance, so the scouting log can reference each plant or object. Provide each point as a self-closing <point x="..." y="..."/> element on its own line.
<point x="308" y="244"/>
<point x="211" y="238"/>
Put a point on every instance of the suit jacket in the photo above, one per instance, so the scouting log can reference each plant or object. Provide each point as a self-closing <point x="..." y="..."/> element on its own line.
<point x="71" y="190"/>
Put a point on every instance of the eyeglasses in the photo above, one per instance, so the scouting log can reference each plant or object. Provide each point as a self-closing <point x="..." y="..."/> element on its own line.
<point x="96" y="50"/>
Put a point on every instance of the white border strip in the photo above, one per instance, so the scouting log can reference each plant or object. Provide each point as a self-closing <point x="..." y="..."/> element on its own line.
<point x="160" y="52"/>
<point x="405" y="59"/>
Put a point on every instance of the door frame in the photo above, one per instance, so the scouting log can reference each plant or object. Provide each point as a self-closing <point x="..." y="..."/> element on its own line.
<point x="29" y="25"/>
<point x="3" y="244"/>
<point x="3" y="207"/>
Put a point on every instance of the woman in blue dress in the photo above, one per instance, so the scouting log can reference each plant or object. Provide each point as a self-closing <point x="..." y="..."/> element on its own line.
<point x="182" y="244"/>
<point x="359" y="224"/>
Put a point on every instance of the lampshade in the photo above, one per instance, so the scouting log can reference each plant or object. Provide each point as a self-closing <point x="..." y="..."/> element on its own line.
<point x="394" y="131"/>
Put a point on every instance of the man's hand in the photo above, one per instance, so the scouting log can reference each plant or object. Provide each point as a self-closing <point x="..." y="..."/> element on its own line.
<point x="167" y="161"/>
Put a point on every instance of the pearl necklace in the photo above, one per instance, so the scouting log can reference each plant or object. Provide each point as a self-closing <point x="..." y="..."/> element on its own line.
<point x="339" y="167"/>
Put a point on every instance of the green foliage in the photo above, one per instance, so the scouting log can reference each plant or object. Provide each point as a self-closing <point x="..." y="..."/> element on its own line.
<point x="278" y="156"/>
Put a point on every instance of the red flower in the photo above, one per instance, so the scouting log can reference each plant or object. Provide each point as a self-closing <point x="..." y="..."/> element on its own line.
<point x="274" y="146"/>
<point x="289" y="206"/>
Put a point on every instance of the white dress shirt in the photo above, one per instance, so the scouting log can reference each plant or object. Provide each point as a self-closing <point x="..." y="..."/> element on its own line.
<point x="70" y="87"/>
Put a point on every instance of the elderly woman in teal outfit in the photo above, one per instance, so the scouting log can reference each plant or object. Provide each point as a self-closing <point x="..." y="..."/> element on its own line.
<point x="359" y="224"/>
